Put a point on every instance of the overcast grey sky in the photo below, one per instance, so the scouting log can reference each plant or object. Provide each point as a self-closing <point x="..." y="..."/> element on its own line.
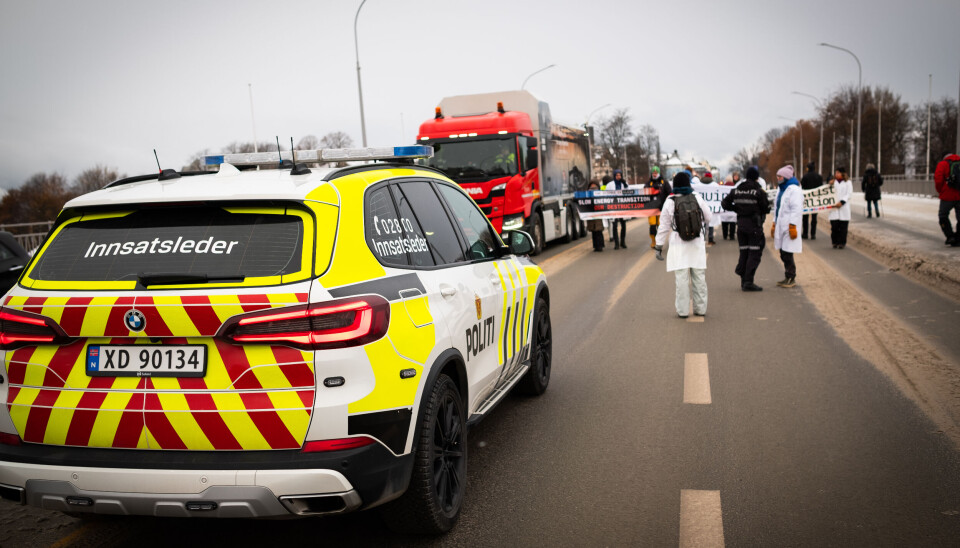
<point x="104" y="81"/>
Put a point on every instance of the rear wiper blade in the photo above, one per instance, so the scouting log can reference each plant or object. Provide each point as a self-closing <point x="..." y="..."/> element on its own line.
<point x="167" y="278"/>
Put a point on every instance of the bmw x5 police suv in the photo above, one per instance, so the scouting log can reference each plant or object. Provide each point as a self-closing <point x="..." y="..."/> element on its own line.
<point x="266" y="342"/>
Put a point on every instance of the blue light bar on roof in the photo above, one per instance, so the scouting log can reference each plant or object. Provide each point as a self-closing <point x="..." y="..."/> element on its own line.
<point x="322" y="155"/>
<point x="413" y="151"/>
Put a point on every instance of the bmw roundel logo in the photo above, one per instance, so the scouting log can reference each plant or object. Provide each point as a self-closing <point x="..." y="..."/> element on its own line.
<point x="135" y="320"/>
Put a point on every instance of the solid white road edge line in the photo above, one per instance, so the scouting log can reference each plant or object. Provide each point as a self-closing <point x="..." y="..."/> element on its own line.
<point x="696" y="379"/>
<point x="701" y="519"/>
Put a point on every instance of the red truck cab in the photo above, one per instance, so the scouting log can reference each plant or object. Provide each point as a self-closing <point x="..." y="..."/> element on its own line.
<point x="488" y="155"/>
<point x="505" y="151"/>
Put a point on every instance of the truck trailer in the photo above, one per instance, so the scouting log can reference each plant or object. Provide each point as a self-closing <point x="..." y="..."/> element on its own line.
<point x="519" y="166"/>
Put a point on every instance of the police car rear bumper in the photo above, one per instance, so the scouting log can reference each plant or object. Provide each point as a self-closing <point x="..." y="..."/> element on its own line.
<point x="234" y="484"/>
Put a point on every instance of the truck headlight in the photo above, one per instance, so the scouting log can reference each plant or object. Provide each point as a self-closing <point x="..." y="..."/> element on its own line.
<point x="513" y="222"/>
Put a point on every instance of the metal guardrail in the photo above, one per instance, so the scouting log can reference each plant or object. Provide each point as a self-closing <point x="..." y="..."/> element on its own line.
<point x="28" y="235"/>
<point x="903" y="184"/>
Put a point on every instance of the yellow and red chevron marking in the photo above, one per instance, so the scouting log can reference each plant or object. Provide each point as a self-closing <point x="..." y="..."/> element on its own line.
<point x="252" y="397"/>
<point x="229" y="367"/>
<point x="166" y="315"/>
<point x="144" y="419"/>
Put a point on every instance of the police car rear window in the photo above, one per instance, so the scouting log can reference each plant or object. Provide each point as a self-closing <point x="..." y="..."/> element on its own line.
<point x="191" y="241"/>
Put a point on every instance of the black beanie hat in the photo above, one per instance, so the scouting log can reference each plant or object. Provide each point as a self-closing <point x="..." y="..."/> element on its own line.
<point x="753" y="173"/>
<point x="681" y="179"/>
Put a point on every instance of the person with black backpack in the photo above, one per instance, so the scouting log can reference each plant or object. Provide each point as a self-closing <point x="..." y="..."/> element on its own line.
<point x="870" y="185"/>
<point x="947" y="179"/>
<point x="682" y="218"/>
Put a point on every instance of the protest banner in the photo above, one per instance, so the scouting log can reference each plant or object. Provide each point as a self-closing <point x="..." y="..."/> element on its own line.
<point x="617" y="204"/>
<point x="712" y="195"/>
<point x="814" y="199"/>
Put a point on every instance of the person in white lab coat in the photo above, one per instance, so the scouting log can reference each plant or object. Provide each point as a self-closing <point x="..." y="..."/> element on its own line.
<point x="840" y="213"/>
<point x="787" y="216"/>
<point x="686" y="259"/>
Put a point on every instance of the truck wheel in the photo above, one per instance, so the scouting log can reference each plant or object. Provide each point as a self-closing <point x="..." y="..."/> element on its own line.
<point x="538" y="242"/>
<point x="431" y="505"/>
<point x="535" y="381"/>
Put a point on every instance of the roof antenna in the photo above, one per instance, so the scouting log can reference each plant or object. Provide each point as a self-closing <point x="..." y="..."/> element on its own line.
<point x="298" y="169"/>
<point x="283" y="163"/>
<point x="165" y="174"/>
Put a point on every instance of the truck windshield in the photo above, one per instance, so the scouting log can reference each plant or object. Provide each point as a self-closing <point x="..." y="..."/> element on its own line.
<point x="477" y="159"/>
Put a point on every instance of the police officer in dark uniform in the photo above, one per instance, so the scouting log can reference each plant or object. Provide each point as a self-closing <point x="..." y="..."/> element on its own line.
<point x="749" y="201"/>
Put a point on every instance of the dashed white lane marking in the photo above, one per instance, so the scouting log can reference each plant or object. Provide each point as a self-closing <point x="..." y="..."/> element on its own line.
<point x="696" y="379"/>
<point x="701" y="519"/>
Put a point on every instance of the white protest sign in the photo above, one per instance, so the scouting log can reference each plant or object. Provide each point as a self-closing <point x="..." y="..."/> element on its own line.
<point x="712" y="195"/>
<point x="814" y="199"/>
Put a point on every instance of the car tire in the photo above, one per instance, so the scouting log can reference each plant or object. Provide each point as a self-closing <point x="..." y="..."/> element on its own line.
<point x="538" y="238"/>
<point x="431" y="505"/>
<point x="536" y="379"/>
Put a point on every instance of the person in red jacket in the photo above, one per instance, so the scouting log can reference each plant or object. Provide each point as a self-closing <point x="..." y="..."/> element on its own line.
<point x="949" y="199"/>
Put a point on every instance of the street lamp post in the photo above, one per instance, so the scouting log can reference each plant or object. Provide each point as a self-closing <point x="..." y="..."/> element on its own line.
<point x="797" y="124"/>
<point x="524" y="85"/>
<point x="929" y="100"/>
<point x="879" y="126"/>
<point x="356" y="48"/>
<point x="822" y="120"/>
<point x="856" y="165"/>
<point x="833" y="155"/>
<point x="586" y="127"/>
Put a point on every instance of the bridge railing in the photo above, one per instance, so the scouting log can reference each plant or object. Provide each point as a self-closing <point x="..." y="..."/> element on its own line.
<point x="903" y="184"/>
<point x="28" y="235"/>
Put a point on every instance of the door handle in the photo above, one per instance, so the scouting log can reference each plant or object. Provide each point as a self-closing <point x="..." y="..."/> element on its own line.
<point x="447" y="290"/>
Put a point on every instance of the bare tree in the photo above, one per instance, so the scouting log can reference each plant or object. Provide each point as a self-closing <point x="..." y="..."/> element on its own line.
<point x="95" y="178"/>
<point x="615" y="133"/>
<point x="40" y="198"/>
<point x="308" y="142"/>
<point x="196" y="161"/>
<point x="336" y="139"/>
<point x="943" y="127"/>
<point x="747" y="156"/>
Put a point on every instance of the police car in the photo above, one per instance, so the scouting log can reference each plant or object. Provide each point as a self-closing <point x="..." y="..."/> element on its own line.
<point x="266" y="342"/>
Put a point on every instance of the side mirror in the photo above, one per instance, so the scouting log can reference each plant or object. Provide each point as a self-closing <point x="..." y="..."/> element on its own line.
<point x="519" y="242"/>
<point x="531" y="159"/>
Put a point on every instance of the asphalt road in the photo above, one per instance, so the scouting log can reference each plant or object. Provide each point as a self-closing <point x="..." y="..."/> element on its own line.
<point x="757" y="426"/>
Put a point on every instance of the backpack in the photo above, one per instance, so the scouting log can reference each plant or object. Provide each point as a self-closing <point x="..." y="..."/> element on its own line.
<point x="953" y="176"/>
<point x="871" y="180"/>
<point x="687" y="217"/>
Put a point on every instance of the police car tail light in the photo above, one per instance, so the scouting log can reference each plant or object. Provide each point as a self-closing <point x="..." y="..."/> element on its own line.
<point x="336" y="445"/>
<point x="319" y="326"/>
<point x="23" y="328"/>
